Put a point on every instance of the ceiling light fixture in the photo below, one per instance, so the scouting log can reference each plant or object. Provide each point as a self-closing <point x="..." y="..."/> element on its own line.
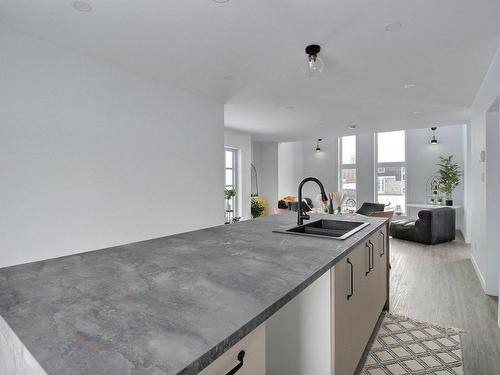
<point x="220" y="1"/>
<point x="434" y="140"/>
<point x="352" y="126"/>
<point x="416" y="113"/>
<point x="81" y="6"/>
<point x="318" y="149"/>
<point x="409" y="85"/>
<point x="314" y="64"/>
<point x="394" y="26"/>
<point x="289" y="107"/>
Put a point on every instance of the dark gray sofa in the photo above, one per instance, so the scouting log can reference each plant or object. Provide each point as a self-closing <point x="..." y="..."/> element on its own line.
<point x="433" y="226"/>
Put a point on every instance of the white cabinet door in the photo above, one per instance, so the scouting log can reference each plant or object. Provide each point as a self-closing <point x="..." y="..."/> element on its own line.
<point x="254" y="359"/>
<point x="299" y="335"/>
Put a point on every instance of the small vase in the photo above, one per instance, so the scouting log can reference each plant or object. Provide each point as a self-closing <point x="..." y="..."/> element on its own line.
<point x="449" y="202"/>
<point x="339" y="210"/>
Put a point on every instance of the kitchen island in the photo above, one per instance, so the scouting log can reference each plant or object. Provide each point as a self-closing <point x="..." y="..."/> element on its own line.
<point x="174" y="305"/>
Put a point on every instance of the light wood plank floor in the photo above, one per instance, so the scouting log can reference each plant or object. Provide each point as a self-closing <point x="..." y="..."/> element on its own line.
<point x="438" y="284"/>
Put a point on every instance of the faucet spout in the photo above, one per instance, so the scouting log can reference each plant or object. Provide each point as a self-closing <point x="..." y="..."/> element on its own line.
<point x="301" y="215"/>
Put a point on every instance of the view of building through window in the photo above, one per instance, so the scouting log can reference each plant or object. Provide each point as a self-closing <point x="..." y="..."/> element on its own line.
<point x="391" y="170"/>
<point x="347" y="178"/>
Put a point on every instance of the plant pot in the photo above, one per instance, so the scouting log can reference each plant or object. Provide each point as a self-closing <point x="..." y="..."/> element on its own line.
<point x="449" y="202"/>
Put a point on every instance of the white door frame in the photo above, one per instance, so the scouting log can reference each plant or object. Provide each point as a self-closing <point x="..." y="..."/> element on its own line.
<point x="493" y="199"/>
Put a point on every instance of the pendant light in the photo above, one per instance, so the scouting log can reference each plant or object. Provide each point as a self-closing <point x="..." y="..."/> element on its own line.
<point x="314" y="64"/>
<point x="318" y="149"/>
<point x="434" y="140"/>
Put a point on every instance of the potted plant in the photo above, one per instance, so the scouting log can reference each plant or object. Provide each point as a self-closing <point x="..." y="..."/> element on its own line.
<point x="282" y="207"/>
<point x="449" y="177"/>
<point x="228" y="194"/>
<point x="256" y="208"/>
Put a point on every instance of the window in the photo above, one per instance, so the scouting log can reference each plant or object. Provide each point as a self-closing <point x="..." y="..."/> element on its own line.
<point x="231" y="175"/>
<point x="391" y="169"/>
<point x="391" y="147"/>
<point x="347" y="175"/>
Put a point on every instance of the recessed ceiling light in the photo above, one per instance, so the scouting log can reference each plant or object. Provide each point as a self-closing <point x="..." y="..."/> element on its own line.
<point x="409" y="85"/>
<point x="220" y="1"/>
<point x="394" y="26"/>
<point x="416" y="112"/>
<point x="81" y="6"/>
<point x="352" y="126"/>
<point x="289" y="107"/>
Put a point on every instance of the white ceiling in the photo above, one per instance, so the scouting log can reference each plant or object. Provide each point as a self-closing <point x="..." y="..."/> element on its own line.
<point x="444" y="47"/>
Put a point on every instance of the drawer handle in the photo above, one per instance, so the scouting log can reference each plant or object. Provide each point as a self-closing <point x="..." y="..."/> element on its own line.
<point x="372" y="252"/>
<point x="383" y="243"/>
<point x="351" y="293"/>
<point x="235" y="369"/>
<point x="369" y="258"/>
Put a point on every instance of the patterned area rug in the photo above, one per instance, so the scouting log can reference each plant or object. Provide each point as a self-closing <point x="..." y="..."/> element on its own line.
<point x="407" y="346"/>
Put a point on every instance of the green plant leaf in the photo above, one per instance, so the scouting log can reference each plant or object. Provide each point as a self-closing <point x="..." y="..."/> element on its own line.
<point x="449" y="175"/>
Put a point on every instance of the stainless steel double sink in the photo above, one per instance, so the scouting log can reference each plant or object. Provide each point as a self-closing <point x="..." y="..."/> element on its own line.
<point x="334" y="229"/>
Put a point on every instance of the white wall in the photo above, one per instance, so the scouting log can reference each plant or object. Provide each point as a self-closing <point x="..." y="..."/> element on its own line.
<point x="243" y="143"/>
<point x="482" y="256"/>
<point x="91" y="156"/>
<point x="466" y="223"/>
<point x="365" y="176"/>
<point x="322" y="165"/>
<point x="257" y="162"/>
<point x="298" y="337"/>
<point x="422" y="158"/>
<point x="290" y="167"/>
<point x="493" y="194"/>
<point x="265" y="159"/>
<point x="298" y="160"/>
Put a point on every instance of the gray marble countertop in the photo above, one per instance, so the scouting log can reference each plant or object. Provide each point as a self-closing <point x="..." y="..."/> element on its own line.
<point x="164" y="306"/>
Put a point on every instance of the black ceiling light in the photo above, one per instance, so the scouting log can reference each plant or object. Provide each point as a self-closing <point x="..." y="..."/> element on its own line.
<point x="318" y="149"/>
<point x="434" y="141"/>
<point x="314" y="64"/>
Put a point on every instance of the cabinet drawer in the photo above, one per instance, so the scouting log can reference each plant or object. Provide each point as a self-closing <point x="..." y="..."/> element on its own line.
<point x="254" y="360"/>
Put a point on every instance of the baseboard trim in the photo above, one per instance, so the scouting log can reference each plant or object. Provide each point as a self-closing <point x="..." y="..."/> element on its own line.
<point x="478" y="272"/>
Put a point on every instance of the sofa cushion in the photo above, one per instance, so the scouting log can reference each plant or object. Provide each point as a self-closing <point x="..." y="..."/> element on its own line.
<point x="402" y="228"/>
